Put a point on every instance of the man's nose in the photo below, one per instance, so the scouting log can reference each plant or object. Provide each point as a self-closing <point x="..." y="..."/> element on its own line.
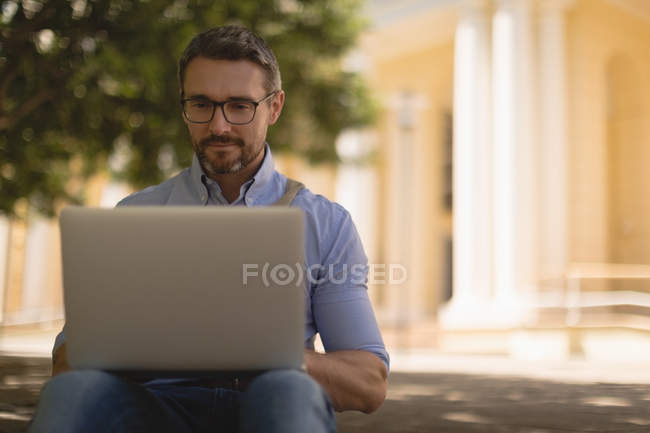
<point x="218" y="125"/>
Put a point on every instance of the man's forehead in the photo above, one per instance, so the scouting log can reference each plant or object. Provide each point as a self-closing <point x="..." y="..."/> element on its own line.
<point x="223" y="78"/>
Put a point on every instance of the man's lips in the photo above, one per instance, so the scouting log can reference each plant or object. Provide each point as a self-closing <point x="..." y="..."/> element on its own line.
<point x="219" y="144"/>
<point x="214" y="144"/>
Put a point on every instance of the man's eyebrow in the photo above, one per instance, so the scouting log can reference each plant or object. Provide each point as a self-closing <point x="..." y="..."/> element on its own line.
<point x="232" y="98"/>
<point x="240" y="98"/>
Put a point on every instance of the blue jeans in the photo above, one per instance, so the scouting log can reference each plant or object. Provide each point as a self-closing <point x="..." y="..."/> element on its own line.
<point x="85" y="401"/>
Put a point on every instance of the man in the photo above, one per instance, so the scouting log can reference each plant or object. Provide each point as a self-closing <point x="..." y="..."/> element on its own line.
<point x="231" y="93"/>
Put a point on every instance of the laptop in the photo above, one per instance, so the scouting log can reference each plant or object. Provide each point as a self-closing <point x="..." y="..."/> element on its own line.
<point x="183" y="289"/>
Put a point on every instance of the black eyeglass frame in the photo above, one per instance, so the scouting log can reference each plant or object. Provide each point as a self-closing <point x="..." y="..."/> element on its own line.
<point x="223" y="111"/>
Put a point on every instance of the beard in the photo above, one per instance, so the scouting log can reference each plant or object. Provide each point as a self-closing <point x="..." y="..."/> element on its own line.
<point x="220" y="164"/>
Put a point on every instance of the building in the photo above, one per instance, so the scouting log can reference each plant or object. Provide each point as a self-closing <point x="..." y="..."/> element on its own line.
<point x="515" y="145"/>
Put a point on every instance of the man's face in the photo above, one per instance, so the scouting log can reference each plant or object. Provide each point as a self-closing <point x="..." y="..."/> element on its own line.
<point x="220" y="146"/>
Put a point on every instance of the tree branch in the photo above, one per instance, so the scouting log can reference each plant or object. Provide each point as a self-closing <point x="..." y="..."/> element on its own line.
<point x="27" y="107"/>
<point x="5" y="81"/>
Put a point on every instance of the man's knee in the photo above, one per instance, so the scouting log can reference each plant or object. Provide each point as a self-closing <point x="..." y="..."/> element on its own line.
<point x="74" y="399"/>
<point x="286" y="401"/>
<point x="79" y="383"/>
<point x="287" y="385"/>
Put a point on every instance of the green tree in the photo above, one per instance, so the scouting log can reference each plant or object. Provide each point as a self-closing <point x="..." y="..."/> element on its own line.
<point x="91" y="83"/>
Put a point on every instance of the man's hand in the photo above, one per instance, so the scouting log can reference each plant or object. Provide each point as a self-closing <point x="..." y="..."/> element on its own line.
<point x="354" y="379"/>
<point x="60" y="361"/>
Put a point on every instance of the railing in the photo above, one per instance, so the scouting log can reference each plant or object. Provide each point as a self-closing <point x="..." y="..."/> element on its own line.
<point x="577" y="299"/>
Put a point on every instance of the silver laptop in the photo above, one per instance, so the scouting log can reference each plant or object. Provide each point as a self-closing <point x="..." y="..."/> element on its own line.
<point x="183" y="289"/>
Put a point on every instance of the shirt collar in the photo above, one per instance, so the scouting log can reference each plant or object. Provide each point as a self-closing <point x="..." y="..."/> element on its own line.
<point x="260" y="182"/>
<point x="263" y="178"/>
<point x="196" y="176"/>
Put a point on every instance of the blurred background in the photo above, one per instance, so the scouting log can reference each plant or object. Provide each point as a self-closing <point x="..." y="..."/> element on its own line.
<point x="499" y="150"/>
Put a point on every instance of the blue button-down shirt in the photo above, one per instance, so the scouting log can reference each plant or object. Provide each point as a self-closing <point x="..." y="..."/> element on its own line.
<point x="337" y="304"/>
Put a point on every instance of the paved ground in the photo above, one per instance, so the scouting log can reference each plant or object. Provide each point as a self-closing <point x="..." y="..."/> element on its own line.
<point x="21" y="379"/>
<point x="427" y="402"/>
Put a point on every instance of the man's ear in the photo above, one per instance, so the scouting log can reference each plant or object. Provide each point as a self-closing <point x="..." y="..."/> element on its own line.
<point x="276" y="107"/>
<point x="181" y="95"/>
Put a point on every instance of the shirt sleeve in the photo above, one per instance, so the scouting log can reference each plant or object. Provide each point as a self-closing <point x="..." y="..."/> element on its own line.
<point x="340" y="305"/>
<point x="59" y="340"/>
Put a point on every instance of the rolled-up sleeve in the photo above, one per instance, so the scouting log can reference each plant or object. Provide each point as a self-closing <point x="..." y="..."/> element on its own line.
<point x="59" y="340"/>
<point x="341" y="309"/>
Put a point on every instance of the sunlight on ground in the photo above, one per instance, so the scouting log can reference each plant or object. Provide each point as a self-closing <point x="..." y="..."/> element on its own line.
<point x="466" y="417"/>
<point x="564" y="371"/>
<point x="534" y="431"/>
<point x="455" y="396"/>
<point x="515" y="396"/>
<point x="637" y="421"/>
<point x="14" y="417"/>
<point x="404" y="392"/>
<point x="10" y="380"/>
<point x="606" y="401"/>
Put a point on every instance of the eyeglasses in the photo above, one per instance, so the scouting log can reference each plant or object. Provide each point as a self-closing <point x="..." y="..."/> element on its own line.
<point x="236" y="112"/>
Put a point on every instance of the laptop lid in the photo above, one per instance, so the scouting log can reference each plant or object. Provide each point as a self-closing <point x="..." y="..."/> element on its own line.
<point x="162" y="288"/>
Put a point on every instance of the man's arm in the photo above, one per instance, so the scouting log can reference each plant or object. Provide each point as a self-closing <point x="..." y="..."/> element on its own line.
<point x="354" y="379"/>
<point x="60" y="360"/>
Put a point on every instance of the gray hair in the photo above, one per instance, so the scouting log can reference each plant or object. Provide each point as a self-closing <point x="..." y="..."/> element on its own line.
<point x="232" y="43"/>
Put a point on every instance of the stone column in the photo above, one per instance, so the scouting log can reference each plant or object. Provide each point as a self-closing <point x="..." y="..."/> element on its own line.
<point x="35" y="276"/>
<point x="472" y="158"/>
<point x="515" y="159"/>
<point x="553" y="139"/>
<point x="403" y="294"/>
<point x="357" y="191"/>
<point x="472" y="170"/>
<point x="403" y="297"/>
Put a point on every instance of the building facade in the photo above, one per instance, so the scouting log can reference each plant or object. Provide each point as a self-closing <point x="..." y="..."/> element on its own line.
<point x="534" y="115"/>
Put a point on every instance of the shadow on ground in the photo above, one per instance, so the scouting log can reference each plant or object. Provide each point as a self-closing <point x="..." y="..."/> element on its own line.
<point x="425" y="402"/>
<point x="454" y="403"/>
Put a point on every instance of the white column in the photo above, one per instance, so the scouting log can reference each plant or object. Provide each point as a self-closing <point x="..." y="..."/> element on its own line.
<point x="395" y="233"/>
<point x="553" y="139"/>
<point x="35" y="277"/>
<point x="356" y="189"/>
<point x="403" y="298"/>
<point x="515" y="158"/>
<point x="404" y="294"/>
<point x="472" y="156"/>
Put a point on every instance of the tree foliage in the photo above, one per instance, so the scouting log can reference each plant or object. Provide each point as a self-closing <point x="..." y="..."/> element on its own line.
<point x="86" y="84"/>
